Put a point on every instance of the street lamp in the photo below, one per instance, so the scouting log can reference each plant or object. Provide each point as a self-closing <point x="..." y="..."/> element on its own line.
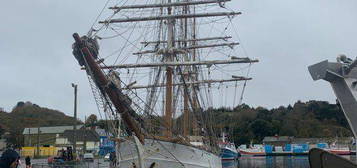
<point x="75" y="118"/>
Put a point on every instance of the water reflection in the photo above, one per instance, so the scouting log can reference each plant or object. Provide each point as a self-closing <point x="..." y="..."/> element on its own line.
<point x="243" y="162"/>
<point x="230" y="164"/>
<point x="277" y="162"/>
<point x="274" y="162"/>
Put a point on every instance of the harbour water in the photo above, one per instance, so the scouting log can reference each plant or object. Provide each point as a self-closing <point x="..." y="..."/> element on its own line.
<point x="274" y="162"/>
<point x="243" y="162"/>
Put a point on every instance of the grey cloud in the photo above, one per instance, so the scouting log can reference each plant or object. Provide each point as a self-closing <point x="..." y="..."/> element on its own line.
<point x="36" y="62"/>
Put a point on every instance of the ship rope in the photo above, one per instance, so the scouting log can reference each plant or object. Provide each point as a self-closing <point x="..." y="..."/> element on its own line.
<point x="101" y="103"/>
<point x="243" y="90"/>
<point x="198" y="114"/>
<point x="246" y="54"/>
<point x="235" y="93"/>
<point x="147" y="110"/>
<point x="98" y="94"/>
<point x="97" y="18"/>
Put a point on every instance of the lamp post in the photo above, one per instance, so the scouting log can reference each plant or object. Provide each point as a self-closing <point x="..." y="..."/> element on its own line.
<point x="75" y="118"/>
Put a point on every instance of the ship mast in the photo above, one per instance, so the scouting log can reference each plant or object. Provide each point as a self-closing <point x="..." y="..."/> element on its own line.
<point x="195" y="78"/>
<point x="169" y="72"/>
<point x="188" y="62"/>
<point x="115" y="95"/>
<point x="186" y="75"/>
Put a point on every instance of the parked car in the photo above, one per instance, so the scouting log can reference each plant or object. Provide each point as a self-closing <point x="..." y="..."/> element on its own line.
<point x="88" y="157"/>
<point x="107" y="157"/>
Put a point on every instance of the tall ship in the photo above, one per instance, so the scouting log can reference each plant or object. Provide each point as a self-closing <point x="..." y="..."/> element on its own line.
<point x="155" y="69"/>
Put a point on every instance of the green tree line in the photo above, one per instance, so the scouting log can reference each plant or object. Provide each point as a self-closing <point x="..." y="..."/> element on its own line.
<point x="310" y="119"/>
<point x="243" y="123"/>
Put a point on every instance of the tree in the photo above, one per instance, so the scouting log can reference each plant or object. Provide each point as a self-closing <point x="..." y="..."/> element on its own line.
<point x="2" y="131"/>
<point x="19" y="104"/>
<point x="261" y="129"/>
<point x="91" y="120"/>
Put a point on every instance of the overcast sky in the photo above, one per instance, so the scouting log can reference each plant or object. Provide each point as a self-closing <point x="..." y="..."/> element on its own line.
<point x="36" y="63"/>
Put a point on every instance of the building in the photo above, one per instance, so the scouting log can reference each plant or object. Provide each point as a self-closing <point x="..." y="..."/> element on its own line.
<point x="278" y="140"/>
<point x="85" y="139"/>
<point x="53" y="139"/>
<point x="283" y="140"/>
<point x="335" y="141"/>
<point x="308" y="140"/>
<point x="45" y="136"/>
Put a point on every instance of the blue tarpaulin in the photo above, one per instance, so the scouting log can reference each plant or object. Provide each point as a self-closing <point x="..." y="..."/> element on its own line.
<point x="268" y="149"/>
<point x="321" y="145"/>
<point x="106" y="146"/>
<point x="300" y="148"/>
<point x="287" y="147"/>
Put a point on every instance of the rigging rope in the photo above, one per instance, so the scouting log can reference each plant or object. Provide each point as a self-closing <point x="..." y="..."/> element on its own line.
<point x="243" y="90"/>
<point x="208" y="94"/>
<point x="235" y="93"/>
<point x="96" y="19"/>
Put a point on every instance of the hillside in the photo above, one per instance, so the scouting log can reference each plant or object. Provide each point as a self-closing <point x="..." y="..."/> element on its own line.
<point x="30" y="115"/>
<point x="310" y="119"/>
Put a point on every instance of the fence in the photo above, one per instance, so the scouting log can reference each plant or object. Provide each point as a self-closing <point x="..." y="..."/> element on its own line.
<point x="95" y="164"/>
<point x="44" y="151"/>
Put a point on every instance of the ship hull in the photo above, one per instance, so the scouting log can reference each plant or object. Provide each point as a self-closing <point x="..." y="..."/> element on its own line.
<point x="340" y="151"/>
<point x="166" y="154"/>
<point x="251" y="153"/>
<point x="227" y="154"/>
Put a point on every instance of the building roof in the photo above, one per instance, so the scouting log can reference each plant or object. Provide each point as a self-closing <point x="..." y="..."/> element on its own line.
<point x="81" y="135"/>
<point x="308" y="140"/>
<point x="278" y="139"/>
<point x="339" y="140"/>
<point x="102" y="132"/>
<point x="49" y="130"/>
